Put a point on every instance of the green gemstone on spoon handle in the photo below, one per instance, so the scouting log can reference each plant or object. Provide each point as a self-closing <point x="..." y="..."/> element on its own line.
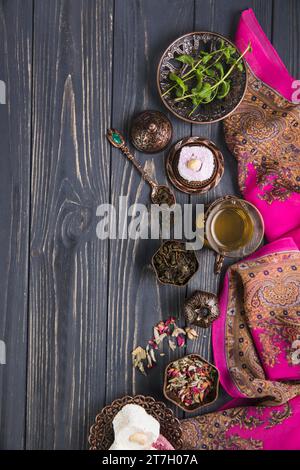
<point x="116" y="138"/>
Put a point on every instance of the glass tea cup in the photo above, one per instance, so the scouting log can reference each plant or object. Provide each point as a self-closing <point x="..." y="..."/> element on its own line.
<point x="234" y="228"/>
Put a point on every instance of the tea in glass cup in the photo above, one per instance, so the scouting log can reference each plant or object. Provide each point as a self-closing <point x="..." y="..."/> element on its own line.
<point x="231" y="228"/>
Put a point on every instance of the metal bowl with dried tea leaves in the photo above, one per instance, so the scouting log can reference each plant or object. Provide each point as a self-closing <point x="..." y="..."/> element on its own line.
<point x="191" y="382"/>
<point x="201" y="309"/>
<point x="174" y="264"/>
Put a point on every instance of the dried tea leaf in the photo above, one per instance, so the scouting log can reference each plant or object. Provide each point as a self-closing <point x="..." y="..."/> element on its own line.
<point x="152" y="354"/>
<point x="191" y="333"/>
<point x="149" y="365"/>
<point x="156" y="333"/>
<point x="160" y="338"/>
<point x="138" y="356"/>
<point x="178" y="331"/>
<point x="141" y="368"/>
<point x="190" y="380"/>
<point x="172" y="345"/>
<point x="139" y="353"/>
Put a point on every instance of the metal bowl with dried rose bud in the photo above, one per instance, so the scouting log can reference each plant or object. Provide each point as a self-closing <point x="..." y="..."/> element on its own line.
<point x="191" y="382"/>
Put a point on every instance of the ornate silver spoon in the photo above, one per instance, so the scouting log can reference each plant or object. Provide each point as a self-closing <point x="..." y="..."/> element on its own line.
<point x="160" y="194"/>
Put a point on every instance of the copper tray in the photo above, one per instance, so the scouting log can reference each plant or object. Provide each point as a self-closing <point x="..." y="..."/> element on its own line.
<point x="194" y="187"/>
<point x="102" y="435"/>
<point x="211" y="397"/>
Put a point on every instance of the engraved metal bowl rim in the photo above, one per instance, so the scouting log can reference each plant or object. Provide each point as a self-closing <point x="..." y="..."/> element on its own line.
<point x="172" y="283"/>
<point x="129" y="399"/>
<point x="210" y="183"/>
<point x="165" y="102"/>
<point x="229" y="197"/>
<point x="200" y="406"/>
<point x="151" y="152"/>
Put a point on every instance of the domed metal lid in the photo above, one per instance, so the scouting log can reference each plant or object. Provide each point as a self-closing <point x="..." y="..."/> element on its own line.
<point x="151" y="131"/>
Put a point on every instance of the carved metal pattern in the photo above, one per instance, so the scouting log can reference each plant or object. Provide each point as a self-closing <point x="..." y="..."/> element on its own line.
<point x="192" y="187"/>
<point x="201" y="309"/>
<point x="151" y="131"/>
<point x="102" y="435"/>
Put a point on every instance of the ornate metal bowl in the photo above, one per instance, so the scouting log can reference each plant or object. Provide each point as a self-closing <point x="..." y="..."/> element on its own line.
<point x="168" y="269"/>
<point x="194" y="187"/>
<point x="192" y="44"/>
<point x="201" y="309"/>
<point x="209" y="399"/>
<point x="102" y="435"/>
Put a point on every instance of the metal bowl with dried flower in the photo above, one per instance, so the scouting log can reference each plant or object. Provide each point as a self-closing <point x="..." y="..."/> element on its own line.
<point x="102" y="435"/>
<point x="201" y="309"/>
<point x="174" y="264"/>
<point x="191" y="382"/>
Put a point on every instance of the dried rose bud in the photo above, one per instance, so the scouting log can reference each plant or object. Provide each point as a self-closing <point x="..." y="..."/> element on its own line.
<point x="180" y="341"/>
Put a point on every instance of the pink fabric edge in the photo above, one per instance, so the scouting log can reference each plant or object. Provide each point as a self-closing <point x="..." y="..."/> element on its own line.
<point x="218" y="327"/>
<point x="264" y="61"/>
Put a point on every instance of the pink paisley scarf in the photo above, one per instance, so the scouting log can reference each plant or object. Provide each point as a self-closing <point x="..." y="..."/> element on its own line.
<point x="255" y="352"/>
<point x="264" y="135"/>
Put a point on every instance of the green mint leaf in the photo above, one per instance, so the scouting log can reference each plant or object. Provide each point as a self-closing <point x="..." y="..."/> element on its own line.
<point x="223" y="89"/>
<point x="220" y="69"/>
<point x="232" y="50"/>
<point x="200" y="68"/>
<point x="186" y="59"/>
<point x="210" y="73"/>
<point x="230" y="61"/>
<point x="196" y="101"/>
<point x="199" y="77"/>
<point x="206" y="58"/>
<point x="179" y="92"/>
<point x="174" y="78"/>
<point x="227" y="53"/>
<point x="205" y="92"/>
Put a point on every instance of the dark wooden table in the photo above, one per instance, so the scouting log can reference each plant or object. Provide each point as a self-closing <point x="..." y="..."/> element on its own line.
<point x="73" y="307"/>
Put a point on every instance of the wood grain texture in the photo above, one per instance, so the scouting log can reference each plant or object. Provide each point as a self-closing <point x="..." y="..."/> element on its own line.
<point x="142" y="30"/>
<point x="70" y="177"/>
<point x="15" y="130"/>
<point x="286" y="34"/>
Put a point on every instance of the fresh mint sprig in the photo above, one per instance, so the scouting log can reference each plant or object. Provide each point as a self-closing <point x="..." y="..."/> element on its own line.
<point x="207" y="76"/>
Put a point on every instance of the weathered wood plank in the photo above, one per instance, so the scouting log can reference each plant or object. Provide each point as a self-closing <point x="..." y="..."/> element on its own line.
<point x="15" y="129"/>
<point x="142" y="31"/>
<point x="220" y="17"/>
<point x="70" y="177"/>
<point x="286" y="34"/>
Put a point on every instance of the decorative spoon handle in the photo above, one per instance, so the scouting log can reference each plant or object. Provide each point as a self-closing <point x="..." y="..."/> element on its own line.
<point x="118" y="141"/>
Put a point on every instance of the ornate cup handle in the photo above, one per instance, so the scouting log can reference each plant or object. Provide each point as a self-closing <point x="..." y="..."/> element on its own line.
<point x="218" y="263"/>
